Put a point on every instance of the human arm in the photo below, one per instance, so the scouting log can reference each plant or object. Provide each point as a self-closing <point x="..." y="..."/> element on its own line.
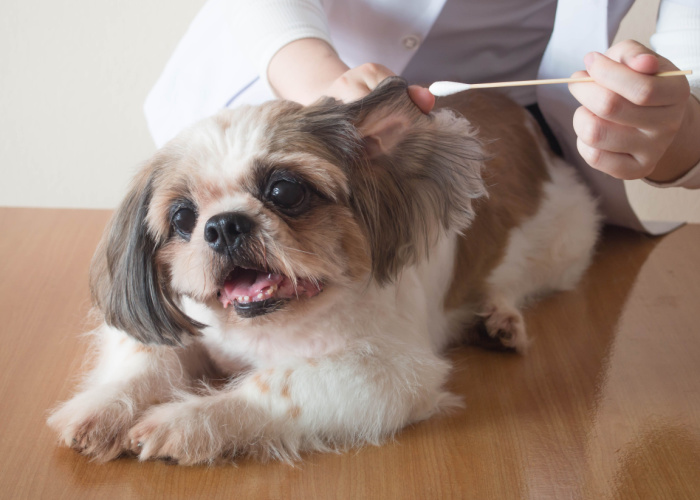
<point x="677" y="37"/>
<point x="289" y="41"/>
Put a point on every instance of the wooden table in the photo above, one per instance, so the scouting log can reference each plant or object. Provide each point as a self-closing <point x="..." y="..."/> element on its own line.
<point x="605" y="405"/>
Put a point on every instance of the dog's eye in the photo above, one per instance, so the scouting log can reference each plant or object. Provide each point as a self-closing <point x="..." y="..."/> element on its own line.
<point x="183" y="221"/>
<point x="287" y="194"/>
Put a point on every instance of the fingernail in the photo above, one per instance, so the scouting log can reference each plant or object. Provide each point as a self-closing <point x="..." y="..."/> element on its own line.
<point x="588" y="59"/>
<point x="640" y="56"/>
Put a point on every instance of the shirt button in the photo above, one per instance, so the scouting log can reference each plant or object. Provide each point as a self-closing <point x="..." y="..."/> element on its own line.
<point x="410" y="42"/>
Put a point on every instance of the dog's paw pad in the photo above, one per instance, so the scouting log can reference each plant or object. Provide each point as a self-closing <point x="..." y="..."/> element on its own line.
<point x="505" y="335"/>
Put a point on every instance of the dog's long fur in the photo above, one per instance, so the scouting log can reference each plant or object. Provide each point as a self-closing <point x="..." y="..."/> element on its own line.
<point x="415" y="228"/>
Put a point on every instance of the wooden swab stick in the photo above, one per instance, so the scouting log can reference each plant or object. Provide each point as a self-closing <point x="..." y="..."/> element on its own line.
<point x="449" y="88"/>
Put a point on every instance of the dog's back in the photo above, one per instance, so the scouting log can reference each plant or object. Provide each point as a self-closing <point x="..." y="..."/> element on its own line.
<point x="535" y="231"/>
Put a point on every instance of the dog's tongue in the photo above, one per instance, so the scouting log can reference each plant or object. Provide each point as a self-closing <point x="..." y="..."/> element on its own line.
<point x="249" y="283"/>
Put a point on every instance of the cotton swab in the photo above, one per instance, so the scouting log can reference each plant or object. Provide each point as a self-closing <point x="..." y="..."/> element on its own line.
<point x="441" y="89"/>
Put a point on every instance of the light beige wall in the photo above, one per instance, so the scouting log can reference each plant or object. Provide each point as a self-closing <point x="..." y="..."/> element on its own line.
<point x="73" y="78"/>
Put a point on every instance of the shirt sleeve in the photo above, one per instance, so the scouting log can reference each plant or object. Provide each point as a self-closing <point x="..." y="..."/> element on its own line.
<point x="263" y="27"/>
<point x="677" y="38"/>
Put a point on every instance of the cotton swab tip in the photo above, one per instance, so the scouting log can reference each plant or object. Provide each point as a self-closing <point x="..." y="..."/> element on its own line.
<point x="441" y="89"/>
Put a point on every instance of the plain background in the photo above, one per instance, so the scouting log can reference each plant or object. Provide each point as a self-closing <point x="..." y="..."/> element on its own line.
<point x="73" y="79"/>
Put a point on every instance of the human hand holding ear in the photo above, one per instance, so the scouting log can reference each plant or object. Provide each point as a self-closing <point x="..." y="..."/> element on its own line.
<point x="357" y="82"/>
<point x="632" y="124"/>
<point x="308" y="69"/>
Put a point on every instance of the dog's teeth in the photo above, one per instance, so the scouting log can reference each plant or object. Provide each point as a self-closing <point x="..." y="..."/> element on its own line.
<point x="260" y="296"/>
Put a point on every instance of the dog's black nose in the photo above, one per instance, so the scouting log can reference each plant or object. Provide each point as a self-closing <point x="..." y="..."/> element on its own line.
<point x="227" y="230"/>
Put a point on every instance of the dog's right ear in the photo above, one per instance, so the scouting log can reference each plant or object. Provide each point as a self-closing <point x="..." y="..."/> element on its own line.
<point x="418" y="176"/>
<point x="128" y="284"/>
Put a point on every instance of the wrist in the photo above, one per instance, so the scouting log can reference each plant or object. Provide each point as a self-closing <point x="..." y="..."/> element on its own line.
<point x="302" y="70"/>
<point x="684" y="152"/>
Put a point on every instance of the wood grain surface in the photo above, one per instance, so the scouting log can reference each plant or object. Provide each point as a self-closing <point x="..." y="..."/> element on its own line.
<point x="605" y="405"/>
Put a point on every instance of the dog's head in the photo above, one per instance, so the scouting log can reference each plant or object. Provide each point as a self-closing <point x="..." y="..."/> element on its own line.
<point x="258" y="209"/>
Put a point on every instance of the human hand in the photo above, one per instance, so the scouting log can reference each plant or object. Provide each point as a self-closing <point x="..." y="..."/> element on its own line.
<point x="629" y="119"/>
<point x="359" y="81"/>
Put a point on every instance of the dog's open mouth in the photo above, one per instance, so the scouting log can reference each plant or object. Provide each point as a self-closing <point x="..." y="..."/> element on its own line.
<point x="255" y="292"/>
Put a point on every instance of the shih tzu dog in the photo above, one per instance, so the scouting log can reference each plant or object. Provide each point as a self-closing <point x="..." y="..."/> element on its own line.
<point x="283" y="278"/>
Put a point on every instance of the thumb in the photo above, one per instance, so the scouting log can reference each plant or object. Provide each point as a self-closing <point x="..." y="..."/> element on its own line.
<point x="643" y="63"/>
<point x="422" y="98"/>
<point x="634" y="55"/>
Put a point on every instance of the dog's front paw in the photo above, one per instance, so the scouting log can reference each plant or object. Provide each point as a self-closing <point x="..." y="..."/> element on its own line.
<point x="93" y="425"/>
<point x="185" y="432"/>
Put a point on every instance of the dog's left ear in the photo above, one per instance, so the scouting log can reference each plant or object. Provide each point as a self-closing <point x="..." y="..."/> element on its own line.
<point x="418" y="175"/>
